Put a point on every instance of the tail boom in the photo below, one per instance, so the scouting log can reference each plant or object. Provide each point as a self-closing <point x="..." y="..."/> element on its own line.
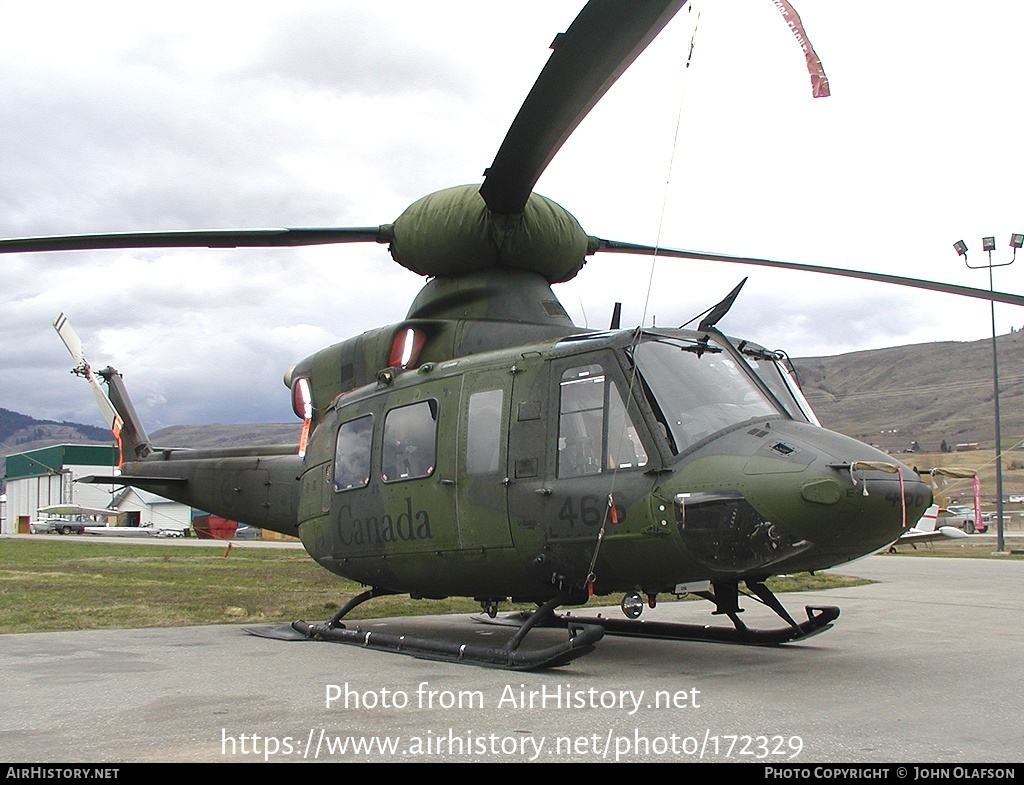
<point x="260" y="489"/>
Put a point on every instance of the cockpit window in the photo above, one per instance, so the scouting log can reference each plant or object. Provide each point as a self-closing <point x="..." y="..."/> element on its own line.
<point x="774" y="370"/>
<point x="595" y="433"/>
<point x="699" y="388"/>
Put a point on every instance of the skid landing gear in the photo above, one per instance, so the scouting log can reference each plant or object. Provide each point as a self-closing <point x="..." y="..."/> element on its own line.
<point x="726" y="599"/>
<point x="510" y="656"/>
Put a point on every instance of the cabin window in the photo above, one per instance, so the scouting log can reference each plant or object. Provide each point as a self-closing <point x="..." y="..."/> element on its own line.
<point x="410" y="439"/>
<point x="352" y="454"/>
<point x="483" y="432"/>
<point x="594" y="430"/>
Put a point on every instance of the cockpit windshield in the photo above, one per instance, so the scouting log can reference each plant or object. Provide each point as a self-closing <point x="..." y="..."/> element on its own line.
<point x="699" y="387"/>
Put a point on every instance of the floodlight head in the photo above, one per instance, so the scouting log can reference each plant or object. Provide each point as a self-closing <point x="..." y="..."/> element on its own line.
<point x="988" y="243"/>
<point x="960" y="247"/>
<point x="1016" y="240"/>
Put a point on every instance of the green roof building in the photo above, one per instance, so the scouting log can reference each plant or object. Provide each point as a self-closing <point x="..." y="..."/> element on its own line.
<point x="43" y="477"/>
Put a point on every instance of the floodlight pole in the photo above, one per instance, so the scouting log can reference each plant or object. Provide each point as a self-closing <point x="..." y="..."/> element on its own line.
<point x="989" y="245"/>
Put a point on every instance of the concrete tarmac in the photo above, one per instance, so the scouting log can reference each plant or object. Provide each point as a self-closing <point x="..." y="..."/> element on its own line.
<point x="923" y="665"/>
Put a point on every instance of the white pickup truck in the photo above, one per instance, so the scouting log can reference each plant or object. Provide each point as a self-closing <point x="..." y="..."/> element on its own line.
<point x="56" y="526"/>
<point x="961" y="516"/>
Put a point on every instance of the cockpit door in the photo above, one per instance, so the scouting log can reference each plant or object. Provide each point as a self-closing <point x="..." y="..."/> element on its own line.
<point x="598" y="457"/>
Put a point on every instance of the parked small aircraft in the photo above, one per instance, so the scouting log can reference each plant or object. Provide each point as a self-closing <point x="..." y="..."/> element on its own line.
<point x="927" y="530"/>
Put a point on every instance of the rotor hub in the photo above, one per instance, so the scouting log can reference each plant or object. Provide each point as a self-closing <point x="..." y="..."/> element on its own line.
<point x="451" y="232"/>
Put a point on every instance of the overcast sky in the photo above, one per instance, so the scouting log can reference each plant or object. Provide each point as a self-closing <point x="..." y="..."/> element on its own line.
<point x="129" y="116"/>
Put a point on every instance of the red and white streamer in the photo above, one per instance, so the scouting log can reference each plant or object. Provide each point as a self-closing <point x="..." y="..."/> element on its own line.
<point x="819" y="82"/>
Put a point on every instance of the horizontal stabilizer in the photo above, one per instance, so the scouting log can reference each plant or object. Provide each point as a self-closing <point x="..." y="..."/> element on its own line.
<point x="132" y="479"/>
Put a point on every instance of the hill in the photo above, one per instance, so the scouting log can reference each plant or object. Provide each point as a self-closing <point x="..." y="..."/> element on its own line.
<point x="21" y="433"/>
<point x="928" y="393"/>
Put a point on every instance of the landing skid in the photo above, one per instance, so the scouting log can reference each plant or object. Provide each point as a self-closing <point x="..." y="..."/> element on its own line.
<point x="819" y="619"/>
<point x="726" y="600"/>
<point x="584" y="631"/>
<point x="510" y="656"/>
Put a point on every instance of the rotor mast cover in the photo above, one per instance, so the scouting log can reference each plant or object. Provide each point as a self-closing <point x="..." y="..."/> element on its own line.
<point x="451" y="232"/>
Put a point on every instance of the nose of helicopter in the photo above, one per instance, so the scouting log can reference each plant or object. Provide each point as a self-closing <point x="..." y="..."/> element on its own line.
<point x="865" y="505"/>
<point x="797" y="498"/>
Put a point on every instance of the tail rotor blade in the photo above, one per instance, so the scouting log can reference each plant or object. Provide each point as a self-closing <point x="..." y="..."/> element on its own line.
<point x="71" y="340"/>
<point x="74" y="346"/>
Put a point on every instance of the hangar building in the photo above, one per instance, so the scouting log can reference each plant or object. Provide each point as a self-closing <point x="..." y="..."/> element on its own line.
<point x="47" y="476"/>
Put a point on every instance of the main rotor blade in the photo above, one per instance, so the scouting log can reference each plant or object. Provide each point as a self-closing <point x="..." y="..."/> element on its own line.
<point x="612" y="246"/>
<point x="197" y="238"/>
<point x="599" y="45"/>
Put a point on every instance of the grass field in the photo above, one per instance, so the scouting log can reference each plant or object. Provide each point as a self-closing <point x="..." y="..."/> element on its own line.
<point x="70" y="584"/>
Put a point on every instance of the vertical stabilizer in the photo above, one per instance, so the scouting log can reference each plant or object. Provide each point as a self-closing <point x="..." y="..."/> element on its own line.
<point x="134" y="440"/>
<point x="929" y="520"/>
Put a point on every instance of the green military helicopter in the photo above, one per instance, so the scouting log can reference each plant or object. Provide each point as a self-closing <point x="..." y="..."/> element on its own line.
<point x="488" y="447"/>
